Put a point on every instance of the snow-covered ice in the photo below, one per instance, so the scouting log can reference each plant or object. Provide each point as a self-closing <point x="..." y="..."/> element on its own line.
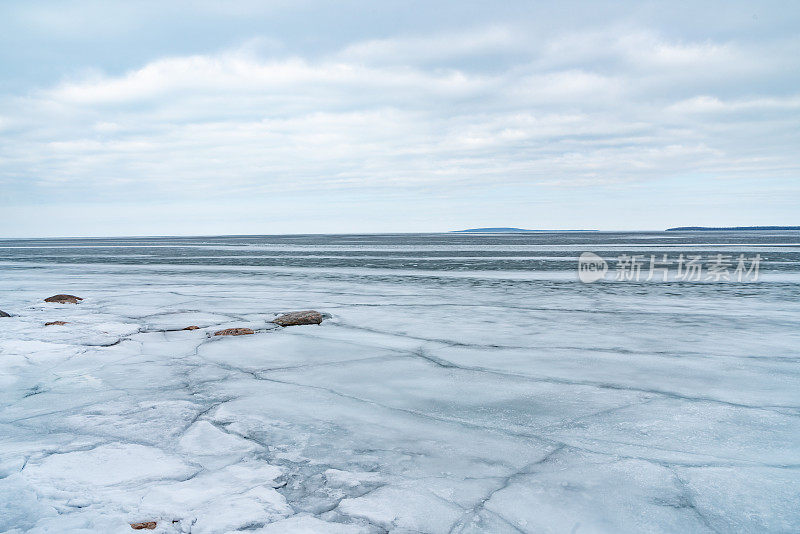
<point x="432" y="399"/>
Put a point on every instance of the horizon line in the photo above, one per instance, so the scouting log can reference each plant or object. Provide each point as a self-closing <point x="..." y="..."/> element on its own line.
<point x="466" y="231"/>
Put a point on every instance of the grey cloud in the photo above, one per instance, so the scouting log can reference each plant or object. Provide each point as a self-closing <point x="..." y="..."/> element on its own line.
<point x="488" y="104"/>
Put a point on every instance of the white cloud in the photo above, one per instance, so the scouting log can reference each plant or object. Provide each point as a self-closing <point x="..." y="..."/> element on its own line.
<point x="416" y="49"/>
<point x="586" y="109"/>
<point x="711" y="104"/>
<point x="238" y="73"/>
<point x="641" y="48"/>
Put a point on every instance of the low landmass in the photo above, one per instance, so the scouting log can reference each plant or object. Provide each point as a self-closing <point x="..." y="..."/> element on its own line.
<point x="728" y="228"/>
<point x="505" y="230"/>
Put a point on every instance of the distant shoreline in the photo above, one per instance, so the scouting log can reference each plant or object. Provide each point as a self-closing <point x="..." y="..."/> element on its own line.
<point x="728" y="228"/>
<point x="509" y="231"/>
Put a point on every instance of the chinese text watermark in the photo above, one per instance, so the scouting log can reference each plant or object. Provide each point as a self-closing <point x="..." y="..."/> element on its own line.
<point x="683" y="268"/>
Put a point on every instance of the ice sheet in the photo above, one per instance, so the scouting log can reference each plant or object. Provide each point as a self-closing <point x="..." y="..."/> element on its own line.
<point x="422" y="404"/>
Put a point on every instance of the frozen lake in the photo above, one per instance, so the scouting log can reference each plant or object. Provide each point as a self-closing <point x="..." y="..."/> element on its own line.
<point x="459" y="384"/>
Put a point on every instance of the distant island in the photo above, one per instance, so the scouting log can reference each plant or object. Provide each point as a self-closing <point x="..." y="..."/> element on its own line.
<point x="728" y="228"/>
<point x="510" y="230"/>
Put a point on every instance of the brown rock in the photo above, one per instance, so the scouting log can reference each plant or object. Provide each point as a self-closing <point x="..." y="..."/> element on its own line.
<point x="234" y="332"/>
<point x="298" y="318"/>
<point x="56" y="323"/>
<point x="193" y="327"/>
<point x="63" y="299"/>
<point x="144" y="525"/>
<point x="4" y="314"/>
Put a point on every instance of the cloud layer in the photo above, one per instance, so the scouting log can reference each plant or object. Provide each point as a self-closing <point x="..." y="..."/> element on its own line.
<point x="478" y="110"/>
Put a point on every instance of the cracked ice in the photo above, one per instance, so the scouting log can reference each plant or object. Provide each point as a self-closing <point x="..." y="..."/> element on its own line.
<point x="423" y="404"/>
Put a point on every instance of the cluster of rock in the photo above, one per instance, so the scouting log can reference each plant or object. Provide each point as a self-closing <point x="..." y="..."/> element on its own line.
<point x="298" y="318"/>
<point x="64" y="299"/>
<point x="295" y="318"/>
<point x="234" y="332"/>
<point x="59" y="299"/>
<point x="287" y="319"/>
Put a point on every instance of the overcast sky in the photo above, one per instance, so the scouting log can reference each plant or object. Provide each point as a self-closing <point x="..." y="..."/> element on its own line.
<point x="166" y="118"/>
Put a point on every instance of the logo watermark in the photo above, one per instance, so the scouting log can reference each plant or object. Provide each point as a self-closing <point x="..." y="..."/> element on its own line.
<point x="591" y="267"/>
<point x="683" y="268"/>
